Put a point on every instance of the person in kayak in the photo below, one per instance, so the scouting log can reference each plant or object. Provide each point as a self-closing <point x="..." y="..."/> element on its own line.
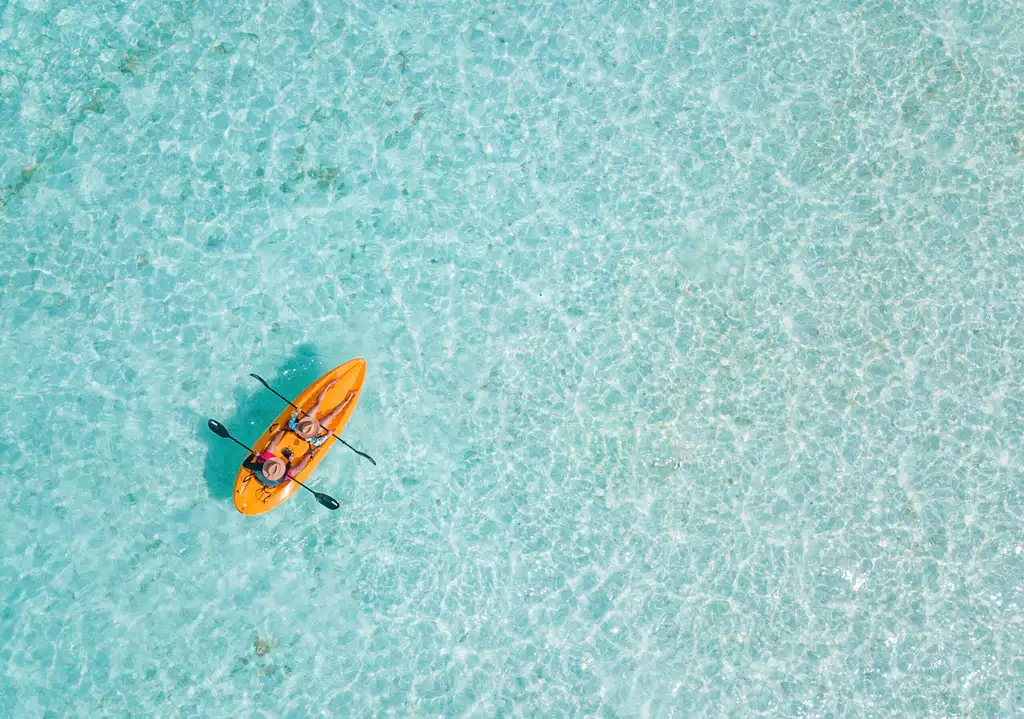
<point x="314" y="429"/>
<point x="271" y="470"/>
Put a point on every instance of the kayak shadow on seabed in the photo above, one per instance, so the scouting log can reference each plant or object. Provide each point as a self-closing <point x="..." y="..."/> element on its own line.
<point x="255" y="409"/>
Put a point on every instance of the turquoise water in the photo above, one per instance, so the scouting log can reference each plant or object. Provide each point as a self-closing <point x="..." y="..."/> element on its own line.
<point x="694" y="338"/>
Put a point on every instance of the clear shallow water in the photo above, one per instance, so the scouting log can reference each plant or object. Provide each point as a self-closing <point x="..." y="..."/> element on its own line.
<point x="694" y="358"/>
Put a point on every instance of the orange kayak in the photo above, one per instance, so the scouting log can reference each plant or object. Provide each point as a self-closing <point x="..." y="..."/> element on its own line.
<point x="251" y="497"/>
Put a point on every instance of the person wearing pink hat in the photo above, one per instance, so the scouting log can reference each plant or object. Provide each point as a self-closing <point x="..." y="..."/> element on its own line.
<point x="271" y="470"/>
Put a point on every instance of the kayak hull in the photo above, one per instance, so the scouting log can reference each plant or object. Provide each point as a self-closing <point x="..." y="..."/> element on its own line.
<point x="250" y="496"/>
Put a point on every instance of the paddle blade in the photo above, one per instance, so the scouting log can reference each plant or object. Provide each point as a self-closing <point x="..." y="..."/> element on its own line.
<point x="364" y="455"/>
<point x="218" y="429"/>
<point x="259" y="379"/>
<point x="329" y="502"/>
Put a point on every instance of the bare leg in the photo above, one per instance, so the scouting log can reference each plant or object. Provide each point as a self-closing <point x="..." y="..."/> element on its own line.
<point x="336" y="411"/>
<point x="274" y="441"/>
<point x="320" y="399"/>
<point x="297" y="469"/>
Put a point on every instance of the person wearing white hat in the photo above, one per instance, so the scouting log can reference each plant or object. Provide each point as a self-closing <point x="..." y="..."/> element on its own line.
<point x="315" y="430"/>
